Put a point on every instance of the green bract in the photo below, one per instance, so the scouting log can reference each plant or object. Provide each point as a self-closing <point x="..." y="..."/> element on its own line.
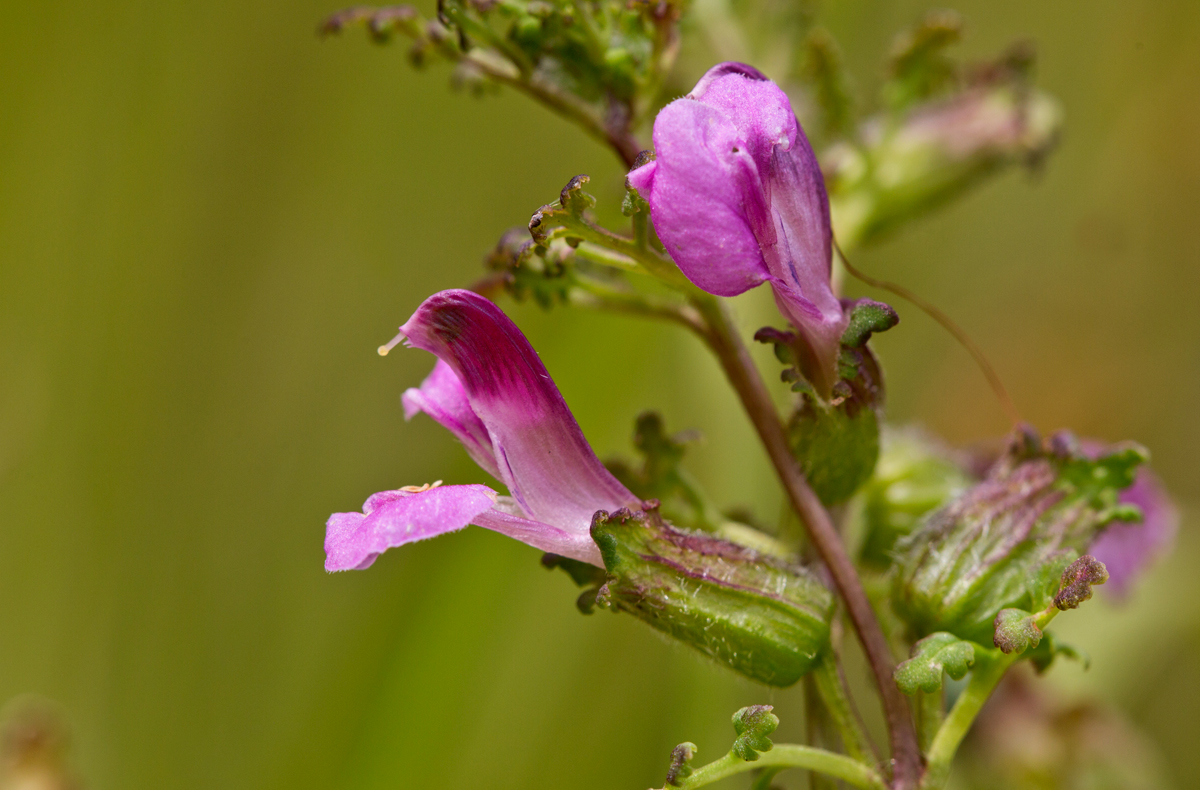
<point x="837" y="440"/>
<point x="1006" y="542"/>
<point x="759" y="616"/>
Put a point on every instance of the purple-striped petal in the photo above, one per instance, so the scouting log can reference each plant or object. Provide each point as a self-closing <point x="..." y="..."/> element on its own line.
<point x="443" y="397"/>
<point x="540" y="452"/>
<point x="738" y="199"/>
<point x="394" y="518"/>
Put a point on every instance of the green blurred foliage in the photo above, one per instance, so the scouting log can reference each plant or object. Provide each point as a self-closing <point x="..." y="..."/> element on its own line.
<point x="209" y="219"/>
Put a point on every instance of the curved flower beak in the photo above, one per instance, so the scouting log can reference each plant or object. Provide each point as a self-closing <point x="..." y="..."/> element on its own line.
<point x="489" y="389"/>
<point x="738" y="199"/>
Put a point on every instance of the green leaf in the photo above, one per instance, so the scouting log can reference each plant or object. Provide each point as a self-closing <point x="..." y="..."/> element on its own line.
<point x="1016" y="631"/>
<point x="753" y="725"/>
<point x="933" y="655"/>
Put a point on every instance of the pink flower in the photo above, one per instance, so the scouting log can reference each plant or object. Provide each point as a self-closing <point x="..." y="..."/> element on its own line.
<point x="738" y="199"/>
<point x="489" y="389"/>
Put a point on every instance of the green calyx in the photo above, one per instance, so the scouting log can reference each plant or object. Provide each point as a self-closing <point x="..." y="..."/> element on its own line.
<point x="1006" y="542"/>
<point x="837" y="440"/>
<point x="757" y="615"/>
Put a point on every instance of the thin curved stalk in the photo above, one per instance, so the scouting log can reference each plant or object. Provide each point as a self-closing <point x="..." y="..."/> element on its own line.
<point x="786" y="755"/>
<point x="984" y="677"/>
<point x="831" y="687"/>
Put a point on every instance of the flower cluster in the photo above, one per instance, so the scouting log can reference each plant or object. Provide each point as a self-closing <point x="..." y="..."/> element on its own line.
<point x="973" y="559"/>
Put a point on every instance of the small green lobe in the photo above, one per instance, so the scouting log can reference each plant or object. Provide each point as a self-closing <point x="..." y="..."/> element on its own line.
<point x="933" y="655"/>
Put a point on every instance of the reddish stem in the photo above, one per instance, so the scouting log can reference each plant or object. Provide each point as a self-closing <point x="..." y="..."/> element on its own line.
<point x="745" y="378"/>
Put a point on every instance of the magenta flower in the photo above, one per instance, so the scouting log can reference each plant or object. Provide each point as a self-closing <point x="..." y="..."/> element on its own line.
<point x="489" y="389"/>
<point x="1128" y="549"/>
<point x="738" y="199"/>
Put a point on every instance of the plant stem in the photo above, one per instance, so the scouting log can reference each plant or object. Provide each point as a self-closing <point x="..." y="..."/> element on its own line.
<point x="989" y="668"/>
<point x="725" y="342"/>
<point x="787" y="755"/>
<point x="832" y="688"/>
<point x="931" y="712"/>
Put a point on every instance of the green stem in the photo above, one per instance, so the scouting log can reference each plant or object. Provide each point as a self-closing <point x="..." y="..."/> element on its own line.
<point x="653" y="263"/>
<point x="817" y="731"/>
<point x="931" y="712"/>
<point x="989" y="668"/>
<point x="786" y="755"/>
<point x="591" y="295"/>
<point x="832" y="688"/>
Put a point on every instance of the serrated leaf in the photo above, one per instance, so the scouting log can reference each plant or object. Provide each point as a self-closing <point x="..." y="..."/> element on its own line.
<point x="933" y="655"/>
<point x="1016" y="631"/>
<point x="753" y="725"/>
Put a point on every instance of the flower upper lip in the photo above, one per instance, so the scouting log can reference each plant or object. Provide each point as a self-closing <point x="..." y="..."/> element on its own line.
<point x="738" y="199"/>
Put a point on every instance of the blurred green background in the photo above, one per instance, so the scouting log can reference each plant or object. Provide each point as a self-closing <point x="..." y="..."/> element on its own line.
<point x="209" y="219"/>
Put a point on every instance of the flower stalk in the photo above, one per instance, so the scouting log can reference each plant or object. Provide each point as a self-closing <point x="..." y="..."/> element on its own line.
<point x="788" y="755"/>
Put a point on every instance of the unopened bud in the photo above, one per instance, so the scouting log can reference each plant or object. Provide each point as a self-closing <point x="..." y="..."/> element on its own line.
<point x="1005" y="542"/>
<point x="757" y="615"/>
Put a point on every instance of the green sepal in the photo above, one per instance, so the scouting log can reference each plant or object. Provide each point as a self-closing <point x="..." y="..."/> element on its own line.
<point x="836" y="440"/>
<point x="933" y="655"/>
<point x="757" y="615"/>
<point x="837" y="446"/>
<point x="681" y="768"/>
<point x="753" y="725"/>
<point x="866" y="318"/>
